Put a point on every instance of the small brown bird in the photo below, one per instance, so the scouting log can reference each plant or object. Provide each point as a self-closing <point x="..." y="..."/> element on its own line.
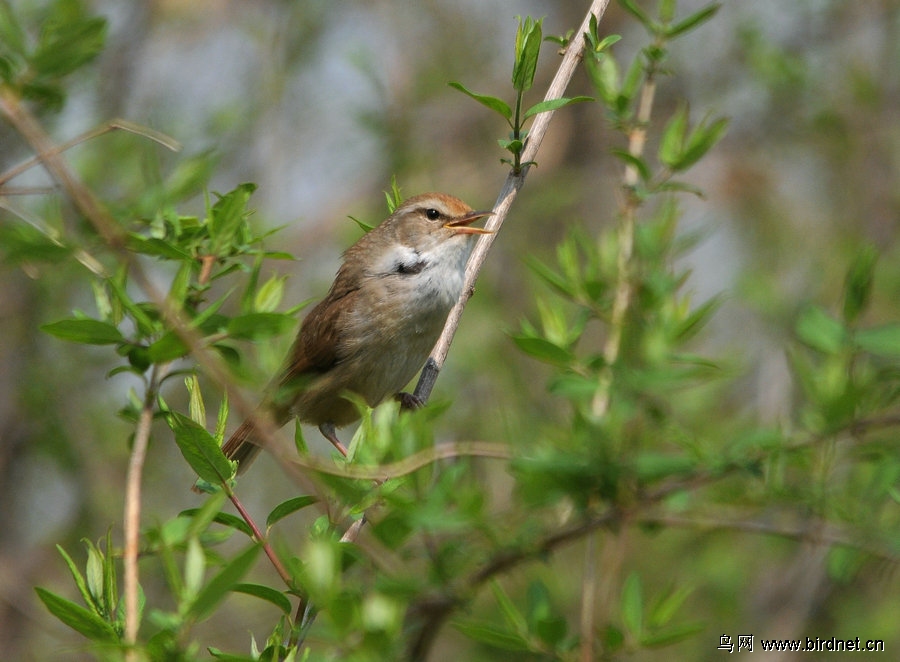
<point x="374" y="330"/>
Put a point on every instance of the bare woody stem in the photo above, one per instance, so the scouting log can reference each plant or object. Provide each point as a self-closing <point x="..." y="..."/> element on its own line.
<point x="611" y="348"/>
<point x="514" y="181"/>
<point x="622" y="300"/>
<point x="132" y="516"/>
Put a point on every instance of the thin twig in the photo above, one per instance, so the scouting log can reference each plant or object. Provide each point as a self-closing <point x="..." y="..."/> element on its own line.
<point x="622" y="301"/>
<point x="816" y="532"/>
<point x="132" y="517"/>
<point x="261" y="539"/>
<point x="112" y="125"/>
<point x="407" y="465"/>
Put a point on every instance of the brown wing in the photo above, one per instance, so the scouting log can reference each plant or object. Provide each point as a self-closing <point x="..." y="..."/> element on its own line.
<point x="316" y="349"/>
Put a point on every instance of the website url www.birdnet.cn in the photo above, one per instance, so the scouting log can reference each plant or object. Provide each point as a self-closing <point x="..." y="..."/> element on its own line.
<point x="747" y="642"/>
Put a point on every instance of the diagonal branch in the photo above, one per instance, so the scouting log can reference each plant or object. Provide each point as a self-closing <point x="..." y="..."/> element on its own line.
<point x="511" y="186"/>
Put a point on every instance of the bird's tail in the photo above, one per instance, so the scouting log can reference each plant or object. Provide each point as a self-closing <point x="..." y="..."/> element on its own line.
<point x="243" y="445"/>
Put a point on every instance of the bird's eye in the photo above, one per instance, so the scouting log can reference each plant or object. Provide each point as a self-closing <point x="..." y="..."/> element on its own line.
<point x="432" y="214"/>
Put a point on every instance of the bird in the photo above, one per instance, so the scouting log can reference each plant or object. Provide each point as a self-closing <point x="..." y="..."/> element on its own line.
<point x="377" y="324"/>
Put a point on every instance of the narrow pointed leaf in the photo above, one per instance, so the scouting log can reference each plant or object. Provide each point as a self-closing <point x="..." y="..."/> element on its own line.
<point x="528" y="48"/>
<point x="672" y="144"/>
<point x="288" y="507"/>
<point x="83" y="621"/>
<point x="639" y="164"/>
<point x="80" y="581"/>
<point x="493" y="636"/>
<point x="700" y="142"/>
<point x="200" y="450"/>
<point x="222" y="583"/>
<point x="858" y="283"/>
<point x="266" y="593"/>
<point x="553" y="104"/>
<point x="495" y="104"/>
<point x="817" y="329"/>
<point x="87" y="331"/>
<point x="693" y="21"/>
<point x="636" y="11"/>
<point x="254" y="326"/>
<point x="633" y="605"/>
<point x="880" y="340"/>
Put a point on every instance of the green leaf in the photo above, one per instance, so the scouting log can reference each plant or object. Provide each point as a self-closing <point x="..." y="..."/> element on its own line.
<point x="633" y="605"/>
<point x="180" y="284"/>
<point x="110" y="585"/>
<point x="226" y="519"/>
<point x="269" y="296"/>
<point x="512" y="146"/>
<point x="394" y="197"/>
<point x="495" y="104"/>
<point x="671" y="635"/>
<point x="671" y="145"/>
<point x="817" y="329"/>
<point x="24" y="243"/>
<point x="702" y="139"/>
<point x="83" y="621"/>
<point x="67" y="42"/>
<point x="528" y="48"/>
<point x="666" y="10"/>
<point x="492" y="636"/>
<point x="79" y="579"/>
<point x="168" y="348"/>
<point x="194" y="569"/>
<point x="155" y="247"/>
<point x="693" y="21"/>
<point x="638" y="163"/>
<point x="698" y="318"/>
<point x="653" y="466"/>
<point x="227" y="217"/>
<point x="254" y="326"/>
<point x="553" y="104"/>
<point x="88" y="331"/>
<point x="94" y="574"/>
<point x="513" y="616"/>
<point x="208" y="513"/>
<point x="117" y="285"/>
<point x="631" y="83"/>
<point x="365" y="227"/>
<point x="220" y="585"/>
<point x="880" y="340"/>
<point x="674" y="186"/>
<point x="195" y="399"/>
<point x="12" y="36"/>
<point x="548" y="275"/>
<point x="266" y="593"/>
<point x="604" y="74"/>
<point x="606" y="42"/>
<point x="288" y="507"/>
<point x="634" y="9"/>
<point x="544" y="350"/>
<point x="858" y="283"/>
<point x="549" y="626"/>
<point x="667" y="607"/>
<point x="200" y="450"/>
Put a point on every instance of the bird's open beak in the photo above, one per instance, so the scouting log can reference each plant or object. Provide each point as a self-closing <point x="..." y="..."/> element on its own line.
<point x="461" y="224"/>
